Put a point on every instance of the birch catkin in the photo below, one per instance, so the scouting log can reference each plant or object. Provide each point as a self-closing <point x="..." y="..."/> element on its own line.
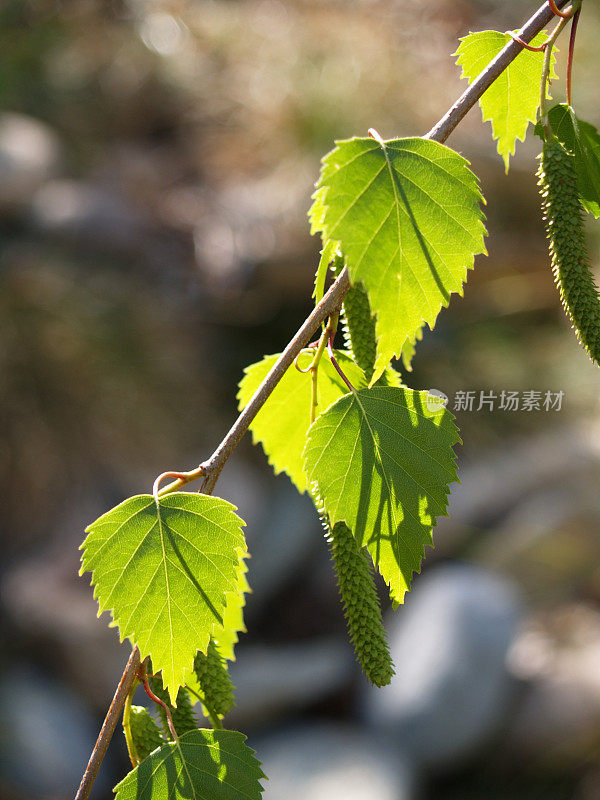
<point x="563" y="215"/>
<point x="214" y="680"/>
<point x="144" y="732"/>
<point x="361" y="605"/>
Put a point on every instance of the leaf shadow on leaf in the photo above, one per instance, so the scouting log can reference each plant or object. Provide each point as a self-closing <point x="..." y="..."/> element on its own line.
<point x="192" y="578"/>
<point x="419" y="235"/>
<point x="415" y="505"/>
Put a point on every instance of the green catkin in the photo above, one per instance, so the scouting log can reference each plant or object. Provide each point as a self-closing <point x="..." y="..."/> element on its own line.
<point x="214" y="680"/>
<point x="144" y="732"/>
<point x="359" y="329"/>
<point x="361" y="605"/>
<point x="563" y="215"/>
<point x="182" y="713"/>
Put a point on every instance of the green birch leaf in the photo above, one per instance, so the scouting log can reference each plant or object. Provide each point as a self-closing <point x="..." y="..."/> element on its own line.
<point x="512" y="101"/>
<point x="407" y="215"/>
<point x="583" y="140"/>
<point x="164" y="570"/>
<point x="282" y="423"/>
<point x="204" y="765"/>
<point x="233" y="615"/>
<point x="382" y="462"/>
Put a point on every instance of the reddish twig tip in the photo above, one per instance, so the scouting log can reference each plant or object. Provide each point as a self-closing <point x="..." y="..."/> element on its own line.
<point x="335" y="363"/>
<point x="571" y="55"/>
<point x="555" y="10"/>
<point x="143" y="678"/>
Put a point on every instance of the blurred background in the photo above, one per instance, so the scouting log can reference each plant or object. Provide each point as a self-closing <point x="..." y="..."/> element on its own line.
<point x="156" y="163"/>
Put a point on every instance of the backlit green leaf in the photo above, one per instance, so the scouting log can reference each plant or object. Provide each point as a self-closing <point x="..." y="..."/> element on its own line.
<point x="382" y="461"/>
<point x="282" y="423"/>
<point x="407" y="215"/>
<point x="204" y="765"/>
<point x="164" y="570"/>
<point x="233" y="615"/>
<point x="512" y="101"/>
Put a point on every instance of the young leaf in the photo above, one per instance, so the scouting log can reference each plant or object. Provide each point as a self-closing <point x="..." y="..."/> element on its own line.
<point x="382" y="463"/>
<point x="204" y="765"/>
<point x="407" y="215"/>
<point x="583" y="140"/>
<point x="327" y="255"/>
<point x="512" y="101"/>
<point x="163" y="569"/>
<point x="282" y="423"/>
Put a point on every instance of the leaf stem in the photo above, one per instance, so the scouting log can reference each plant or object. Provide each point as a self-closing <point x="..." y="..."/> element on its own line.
<point x="329" y="330"/>
<point x="571" y="55"/>
<point x="545" y="82"/>
<point x="557" y="11"/>
<point x="143" y="677"/>
<point x="333" y="360"/>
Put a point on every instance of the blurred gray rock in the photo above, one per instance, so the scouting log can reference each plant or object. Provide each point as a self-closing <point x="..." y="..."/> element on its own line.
<point x="29" y="156"/>
<point x="449" y="644"/>
<point x="46" y="736"/>
<point x="325" y="762"/>
<point x="273" y="681"/>
<point x="557" y="719"/>
<point x="92" y="214"/>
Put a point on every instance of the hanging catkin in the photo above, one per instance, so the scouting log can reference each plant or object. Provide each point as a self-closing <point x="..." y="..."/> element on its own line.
<point x="361" y="605"/>
<point x="214" y="680"/>
<point x="144" y="732"/>
<point x="563" y="215"/>
<point x="359" y="329"/>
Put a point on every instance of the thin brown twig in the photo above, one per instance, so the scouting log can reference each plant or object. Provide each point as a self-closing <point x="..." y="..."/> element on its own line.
<point x="108" y="726"/>
<point x="211" y="468"/>
<point x="442" y="129"/>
